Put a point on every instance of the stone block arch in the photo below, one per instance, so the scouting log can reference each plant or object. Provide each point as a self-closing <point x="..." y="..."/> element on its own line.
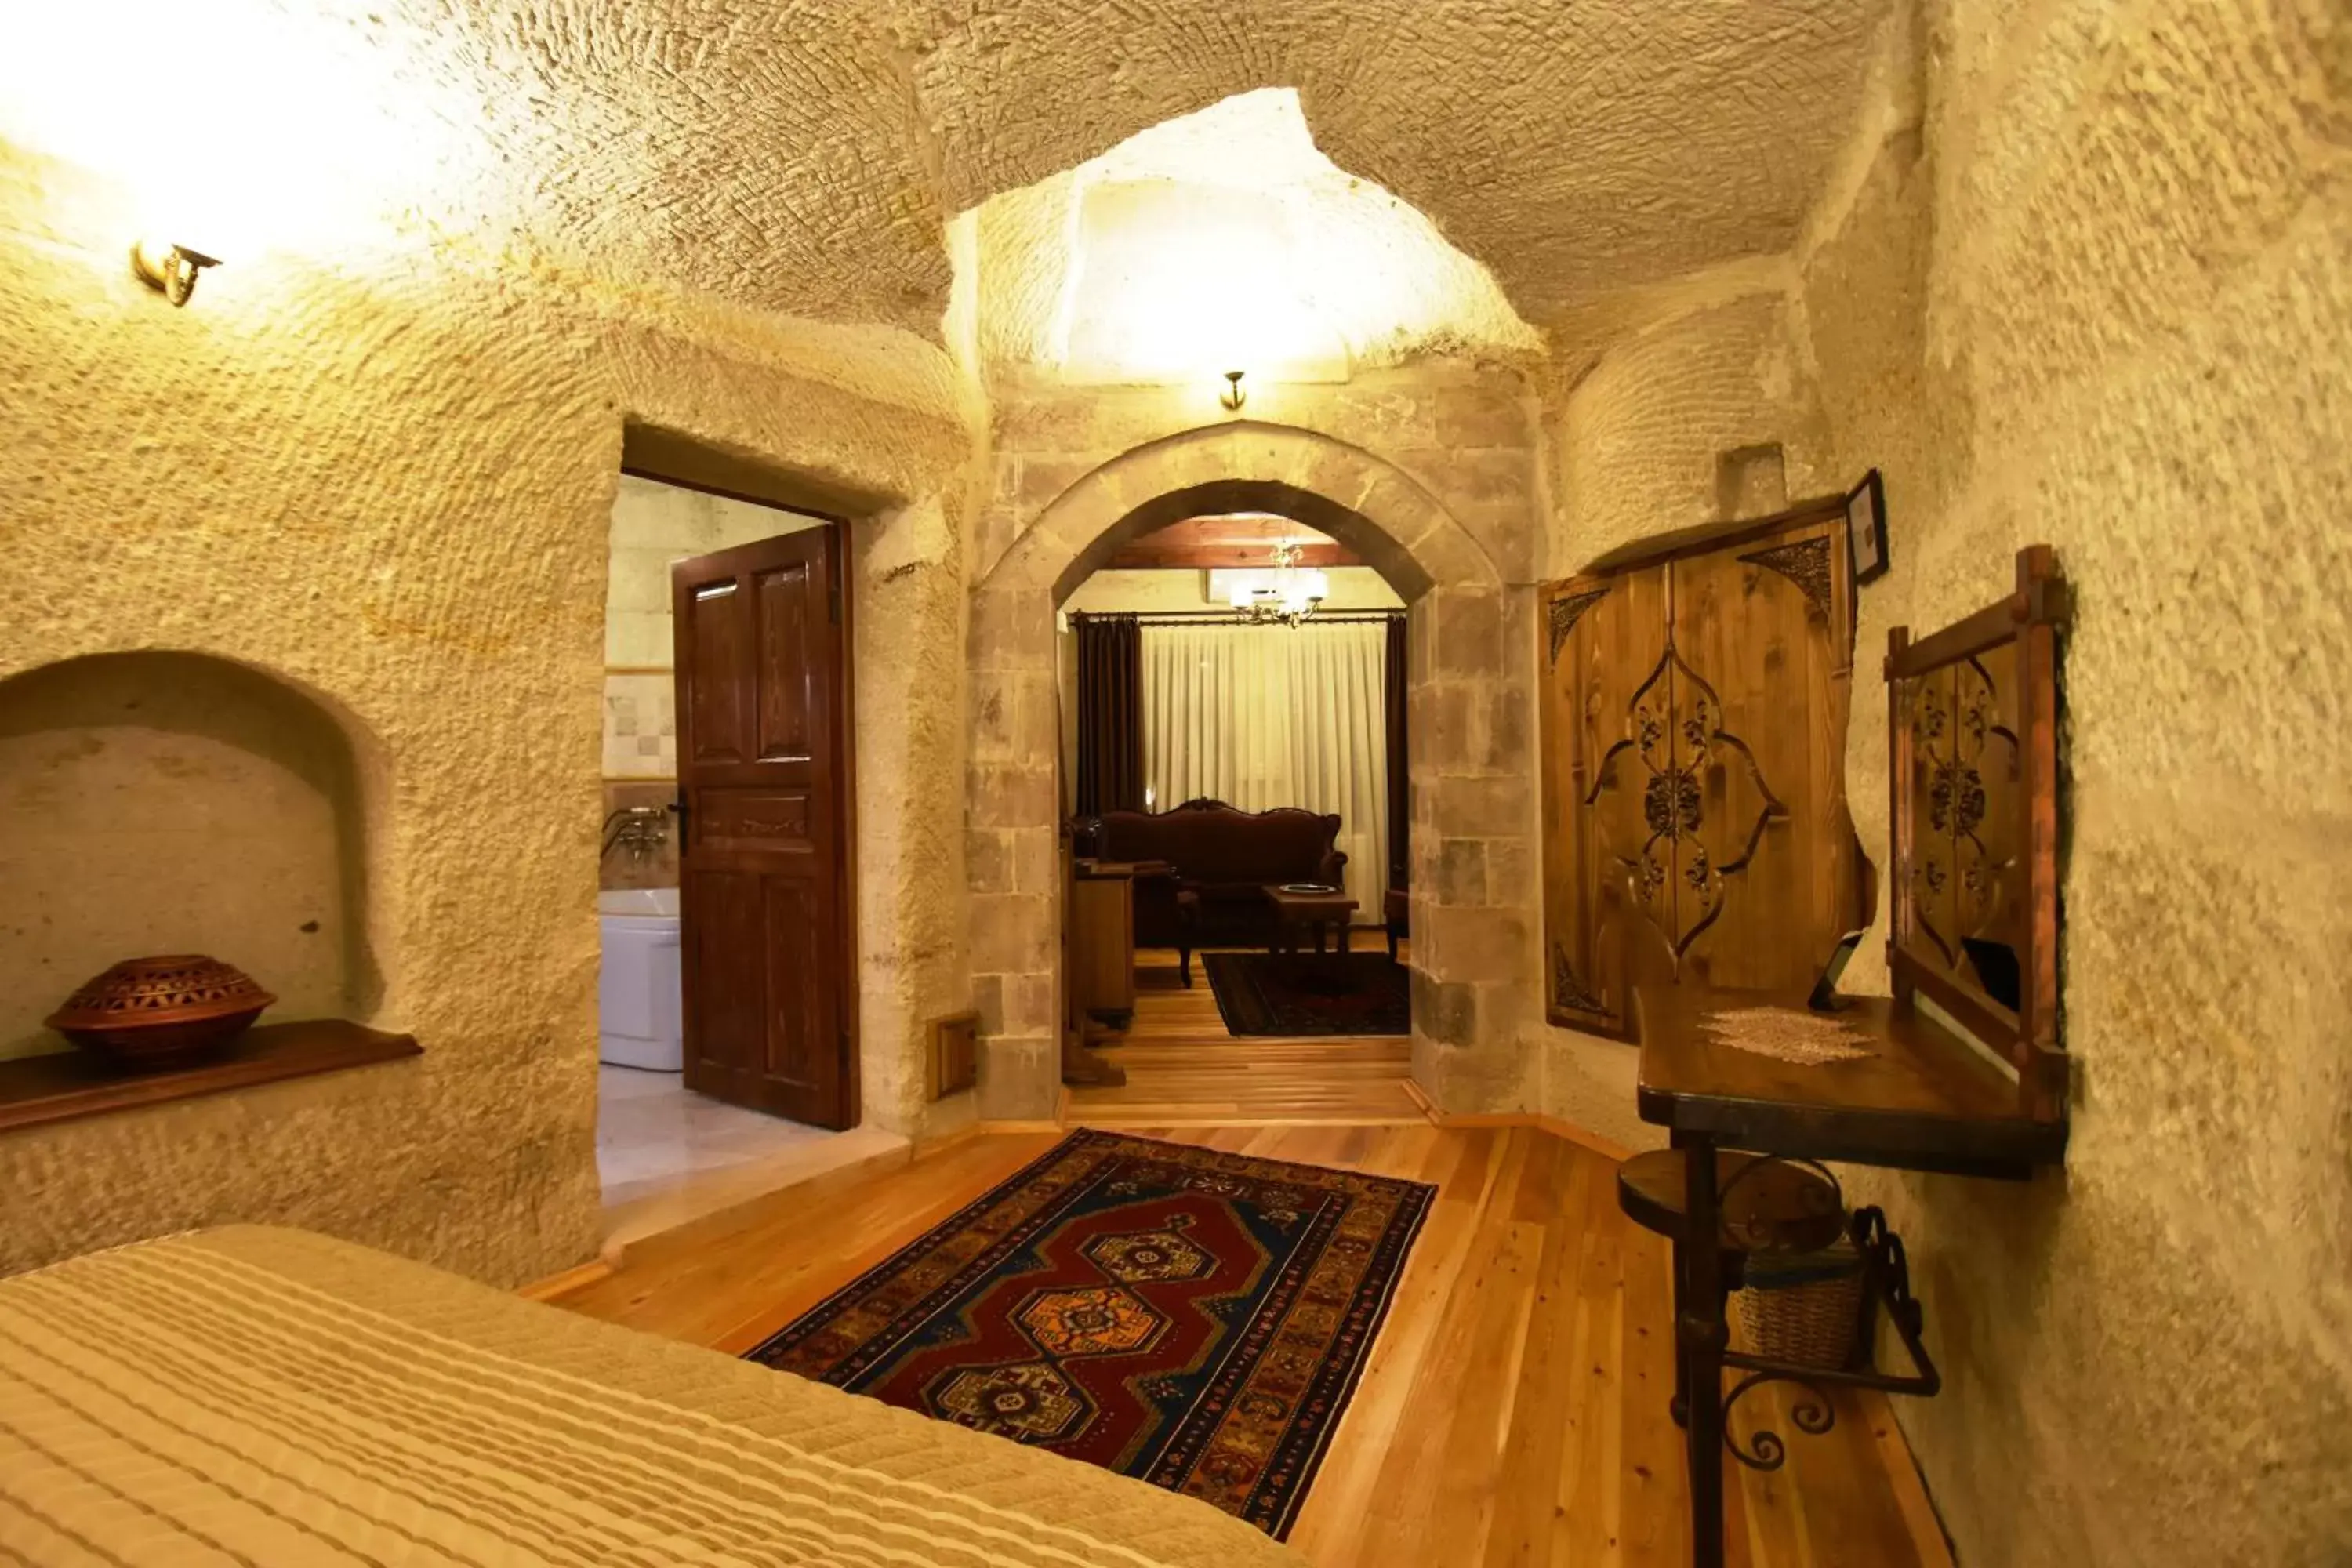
<point x="1471" y="749"/>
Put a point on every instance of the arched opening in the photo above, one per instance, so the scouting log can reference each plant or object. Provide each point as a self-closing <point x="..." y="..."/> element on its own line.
<point x="1364" y="539"/>
<point x="1234" y="693"/>
<point x="159" y="802"/>
<point x="1470" y="874"/>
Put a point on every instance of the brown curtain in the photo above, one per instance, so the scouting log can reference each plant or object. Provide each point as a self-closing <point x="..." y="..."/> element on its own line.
<point x="1400" y="786"/>
<point x="1110" y="713"/>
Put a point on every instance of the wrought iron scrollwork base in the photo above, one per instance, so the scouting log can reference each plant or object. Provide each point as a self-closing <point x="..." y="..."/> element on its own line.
<point x="1886" y="1287"/>
<point x="1813" y="1416"/>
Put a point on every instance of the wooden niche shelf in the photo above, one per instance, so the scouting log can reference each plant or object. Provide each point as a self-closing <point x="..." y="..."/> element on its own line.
<point x="35" y="1090"/>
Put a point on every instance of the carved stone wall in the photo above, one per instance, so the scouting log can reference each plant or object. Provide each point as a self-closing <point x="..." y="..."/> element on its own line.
<point x="2052" y="305"/>
<point x="387" y="482"/>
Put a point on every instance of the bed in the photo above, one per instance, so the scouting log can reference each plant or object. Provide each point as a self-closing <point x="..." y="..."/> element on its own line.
<point x="252" y="1395"/>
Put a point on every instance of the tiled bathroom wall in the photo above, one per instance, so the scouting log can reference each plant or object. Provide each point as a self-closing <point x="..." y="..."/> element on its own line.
<point x="640" y="725"/>
<point x="654" y="524"/>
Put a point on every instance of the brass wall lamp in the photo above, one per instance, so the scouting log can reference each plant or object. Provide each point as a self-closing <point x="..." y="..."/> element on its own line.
<point x="1232" y="397"/>
<point x="169" y="270"/>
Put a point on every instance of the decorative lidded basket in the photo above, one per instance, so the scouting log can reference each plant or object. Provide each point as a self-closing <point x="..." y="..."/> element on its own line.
<point x="154" y="1012"/>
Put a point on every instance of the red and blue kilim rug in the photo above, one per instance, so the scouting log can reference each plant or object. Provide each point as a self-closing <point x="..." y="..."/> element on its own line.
<point x="1194" y="1318"/>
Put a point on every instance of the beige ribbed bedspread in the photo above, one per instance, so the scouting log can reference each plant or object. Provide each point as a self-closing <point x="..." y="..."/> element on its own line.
<point x="259" y="1397"/>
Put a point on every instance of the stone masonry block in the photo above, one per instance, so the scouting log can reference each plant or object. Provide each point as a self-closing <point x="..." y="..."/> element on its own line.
<point x="1020" y="1077"/>
<point x="1514" y="870"/>
<point x="1044" y="481"/>
<point x="1011" y="933"/>
<point x="1447" y="1013"/>
<point x="1449" y="727"/>
<point x="1478" y="479"/>
<point x="1012" y="629"/>
<point x="1010" y="794"/>
<point x="1469" y="626"/>
<point x="995" y="718"/>
<point x="988" y="1000"/>
<point x="1460" y="874"/>
<point x="1035" y="862"/>
<point x="1477" y="945"/>
<point x="1508" y="719"/>
<point x="988" y="860"/>
<point x="1026" y="1005"/>
<point x="1492" y="415"/>
<point x="1484" y="807"/>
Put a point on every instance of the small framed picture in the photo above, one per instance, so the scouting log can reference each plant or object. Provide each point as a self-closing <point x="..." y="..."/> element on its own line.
<point x="1866" y="528"/>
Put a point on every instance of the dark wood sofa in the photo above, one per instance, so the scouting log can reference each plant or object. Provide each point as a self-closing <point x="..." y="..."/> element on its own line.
<point x="1203" y="868"/>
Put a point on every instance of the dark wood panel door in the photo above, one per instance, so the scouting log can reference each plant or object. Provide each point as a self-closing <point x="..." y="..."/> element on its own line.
<point x="764" y="781"/>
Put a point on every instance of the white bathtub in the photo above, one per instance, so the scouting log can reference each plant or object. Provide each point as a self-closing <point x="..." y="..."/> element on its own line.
<point x="637" y="989"/>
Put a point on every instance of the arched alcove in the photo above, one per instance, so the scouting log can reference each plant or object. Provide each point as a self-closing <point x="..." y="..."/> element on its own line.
<point x="154" y="802"/>
<point x="1473" y="956"/>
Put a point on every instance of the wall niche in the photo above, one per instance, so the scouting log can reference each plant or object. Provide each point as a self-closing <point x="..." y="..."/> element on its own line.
<point x="154" y="802"/>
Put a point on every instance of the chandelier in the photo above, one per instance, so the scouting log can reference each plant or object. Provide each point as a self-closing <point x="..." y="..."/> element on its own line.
<point x="1286" y="596"/>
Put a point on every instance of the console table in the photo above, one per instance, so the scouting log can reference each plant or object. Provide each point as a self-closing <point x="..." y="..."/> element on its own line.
<point x="1923" y="1100"/>
<point x="1961" y="1071"/>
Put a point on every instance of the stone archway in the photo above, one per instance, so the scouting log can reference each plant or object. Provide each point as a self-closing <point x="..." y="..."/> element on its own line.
<point x="1471" y="753"/>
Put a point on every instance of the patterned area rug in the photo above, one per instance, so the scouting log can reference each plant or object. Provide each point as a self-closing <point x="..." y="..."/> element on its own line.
<point x="1194" y="1318"/>
<point x="1318" y="994"/>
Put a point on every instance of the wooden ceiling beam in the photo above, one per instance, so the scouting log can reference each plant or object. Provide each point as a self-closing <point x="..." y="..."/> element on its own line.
<point x="1217" y="543"/>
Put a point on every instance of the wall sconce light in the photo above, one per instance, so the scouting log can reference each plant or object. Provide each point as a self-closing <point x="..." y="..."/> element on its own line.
<point x="1232" y="397"/>
<point x="169" y="270"/>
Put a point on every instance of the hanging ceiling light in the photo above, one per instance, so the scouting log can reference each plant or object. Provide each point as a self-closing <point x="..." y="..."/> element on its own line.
<point x="1287" y="595"/>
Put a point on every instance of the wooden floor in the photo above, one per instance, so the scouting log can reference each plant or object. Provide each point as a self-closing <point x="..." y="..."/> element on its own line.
<point x="1514" y="1411"/>
<point x="1184" y="1069"/>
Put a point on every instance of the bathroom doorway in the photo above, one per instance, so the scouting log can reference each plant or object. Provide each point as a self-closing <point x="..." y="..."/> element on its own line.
<point x="763" y="752"/>
<point x="668" y="1148"/>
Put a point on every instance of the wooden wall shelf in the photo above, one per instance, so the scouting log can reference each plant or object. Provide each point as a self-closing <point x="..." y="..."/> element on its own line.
<point x="36" y="1090"/>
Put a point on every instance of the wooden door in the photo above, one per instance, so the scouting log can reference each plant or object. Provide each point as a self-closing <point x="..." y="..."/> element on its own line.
<point x="1695" y="825"/>
<point x="763" y="782"/>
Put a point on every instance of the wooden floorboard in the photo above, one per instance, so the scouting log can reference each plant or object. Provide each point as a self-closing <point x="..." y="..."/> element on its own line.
<point x="1513" y="1410"/>
<point x="1184" y="1069"/>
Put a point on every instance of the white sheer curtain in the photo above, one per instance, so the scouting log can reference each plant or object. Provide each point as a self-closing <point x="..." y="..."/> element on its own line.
<point x="1268" y="716"/>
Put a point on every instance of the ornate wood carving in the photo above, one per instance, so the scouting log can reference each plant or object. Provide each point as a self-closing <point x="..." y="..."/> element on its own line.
<point x="1568" y="991"/>
<point x="1972" y="727"/>
<point x="1692" y="787"/>
<point x="1805" y="562"/>
<point x="1562" y="615"/>
<point x="1679" y="739"/>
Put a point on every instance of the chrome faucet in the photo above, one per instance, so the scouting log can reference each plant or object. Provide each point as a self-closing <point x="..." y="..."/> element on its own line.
<point x="642" y="828"/>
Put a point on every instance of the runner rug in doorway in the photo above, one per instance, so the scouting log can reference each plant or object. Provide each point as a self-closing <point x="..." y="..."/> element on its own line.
<point x="1194" y="1318"/>
<point x="1310" y="995"/>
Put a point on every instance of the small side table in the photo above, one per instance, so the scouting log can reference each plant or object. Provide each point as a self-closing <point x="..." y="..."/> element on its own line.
<point x="1297" y="914"/>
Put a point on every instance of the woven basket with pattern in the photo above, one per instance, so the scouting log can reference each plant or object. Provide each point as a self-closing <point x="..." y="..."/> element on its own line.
<point x="1805" y="1309"/>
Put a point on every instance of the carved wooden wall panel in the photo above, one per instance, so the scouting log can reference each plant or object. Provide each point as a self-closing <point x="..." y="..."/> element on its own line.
<point x="1694" y="779"/>
<point x="1972" y="727"/>
<point x="1964" y="909"/>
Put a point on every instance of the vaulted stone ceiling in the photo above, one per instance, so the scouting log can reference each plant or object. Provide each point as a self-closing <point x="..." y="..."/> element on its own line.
<point x="802" y="157"/>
